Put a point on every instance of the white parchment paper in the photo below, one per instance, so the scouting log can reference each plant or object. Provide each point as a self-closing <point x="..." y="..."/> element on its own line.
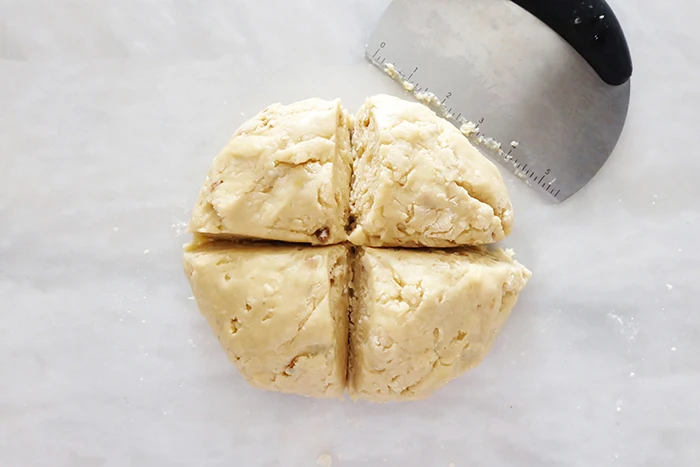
<point x="110" y="113"/>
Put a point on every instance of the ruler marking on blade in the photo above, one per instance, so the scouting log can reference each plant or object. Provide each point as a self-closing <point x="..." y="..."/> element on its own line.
<point x="520" y="169"/>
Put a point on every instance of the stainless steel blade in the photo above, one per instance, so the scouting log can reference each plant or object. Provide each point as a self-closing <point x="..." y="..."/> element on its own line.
<point x="492" y="63"/>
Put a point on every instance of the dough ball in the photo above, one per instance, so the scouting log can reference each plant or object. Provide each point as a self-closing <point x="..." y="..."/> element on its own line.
<point x="420" y="318"/>
<point x="284" y="175"/>
<point x="280" y="312"/>
<point x="419" y="182"/>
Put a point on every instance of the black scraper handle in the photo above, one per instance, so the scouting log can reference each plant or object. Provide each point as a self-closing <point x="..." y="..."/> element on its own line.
<point x="591" y="27"/>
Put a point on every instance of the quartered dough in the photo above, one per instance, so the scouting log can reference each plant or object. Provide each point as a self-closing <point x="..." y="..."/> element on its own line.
<point x="419" y="182"/>
<point x="280" y="312"/>
<point x="284" y="175"/>
<point x="420" y="318"/>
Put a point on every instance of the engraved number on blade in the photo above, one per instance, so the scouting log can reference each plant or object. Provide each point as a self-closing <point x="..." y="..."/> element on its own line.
<point x="544" y="179"/>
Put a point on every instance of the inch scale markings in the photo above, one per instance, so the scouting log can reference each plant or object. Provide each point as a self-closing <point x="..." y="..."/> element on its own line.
<point x="544" y="179"/>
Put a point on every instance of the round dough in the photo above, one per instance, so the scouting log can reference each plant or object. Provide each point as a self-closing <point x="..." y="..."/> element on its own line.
<point x="284" y="314"/>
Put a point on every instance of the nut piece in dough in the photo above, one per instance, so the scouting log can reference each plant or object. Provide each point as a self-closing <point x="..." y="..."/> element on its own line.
<point x="280" y="312"/>
<point x="421" y="318"/>
<point x="418" y="181"/>
<point x="284" y="175"/>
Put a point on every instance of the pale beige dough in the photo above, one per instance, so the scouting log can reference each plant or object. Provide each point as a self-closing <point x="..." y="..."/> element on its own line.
<point x="419" y="182"/>
<point x="280" y="312"/>
<point x="284" y="175"/>
<point x="420" y="318"/>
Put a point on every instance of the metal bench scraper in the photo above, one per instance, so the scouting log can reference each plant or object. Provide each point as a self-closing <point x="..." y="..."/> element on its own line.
<point x="543" y="86"/>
